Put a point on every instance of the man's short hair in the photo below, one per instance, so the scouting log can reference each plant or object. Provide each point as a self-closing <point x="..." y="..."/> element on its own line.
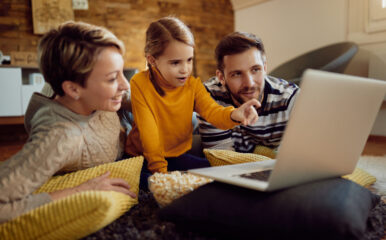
<point x="235" y="43"/>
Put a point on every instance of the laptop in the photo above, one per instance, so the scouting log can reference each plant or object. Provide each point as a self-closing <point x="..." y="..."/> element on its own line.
<point x="325" y="135"/>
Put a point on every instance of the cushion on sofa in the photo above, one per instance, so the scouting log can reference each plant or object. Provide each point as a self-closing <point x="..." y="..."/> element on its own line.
<point x="328" y="209"/>
<point x="80" y="214"/>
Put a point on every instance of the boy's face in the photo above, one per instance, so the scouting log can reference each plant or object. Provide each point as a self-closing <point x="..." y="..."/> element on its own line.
<point x="176" y="63"/>
<point x="243" y="75"/>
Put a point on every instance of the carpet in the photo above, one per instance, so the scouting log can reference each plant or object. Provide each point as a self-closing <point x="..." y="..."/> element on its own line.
<point x="141" y="222"/>
<point x="376" y="166"/>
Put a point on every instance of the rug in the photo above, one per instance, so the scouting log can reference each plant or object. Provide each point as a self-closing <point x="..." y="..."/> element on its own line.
<point x="141" y="222"/>
<point x="376" y="166"/>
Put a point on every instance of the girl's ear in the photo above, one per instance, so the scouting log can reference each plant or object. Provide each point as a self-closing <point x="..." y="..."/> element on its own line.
<point x="71" y="89"/>
<point x="150" y="59"/>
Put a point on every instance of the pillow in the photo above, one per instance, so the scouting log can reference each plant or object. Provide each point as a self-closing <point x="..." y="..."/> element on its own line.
<point x="361" y="177"/>
<point x="265" y="151"/>
<point x="72" y="217"/>
<point x="80" y="214"/>
<point x="328" y="209"/>
<point x="218" y="157"/>
<point x="128" y="169"/>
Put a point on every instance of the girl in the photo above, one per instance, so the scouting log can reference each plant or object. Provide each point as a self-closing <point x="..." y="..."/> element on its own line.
<point x="165" y="96"/>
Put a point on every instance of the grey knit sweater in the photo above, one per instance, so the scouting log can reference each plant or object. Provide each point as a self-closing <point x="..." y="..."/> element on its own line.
<point x="59" y="141"/>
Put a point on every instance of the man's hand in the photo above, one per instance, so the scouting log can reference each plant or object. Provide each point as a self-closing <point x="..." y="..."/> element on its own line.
<point x="246" y="113"/>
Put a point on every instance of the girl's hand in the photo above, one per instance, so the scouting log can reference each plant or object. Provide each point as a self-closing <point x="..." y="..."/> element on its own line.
<point x="102" y="183"/>
<point x="246" y="113"/>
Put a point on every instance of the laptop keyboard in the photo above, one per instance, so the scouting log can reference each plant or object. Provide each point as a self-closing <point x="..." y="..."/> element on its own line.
<point x="261" y="175"/>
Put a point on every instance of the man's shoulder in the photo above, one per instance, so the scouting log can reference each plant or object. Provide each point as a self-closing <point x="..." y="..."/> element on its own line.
<point x="218" y="92"/>
<point x="280" y="86"/>
<point x="213" y="84"/>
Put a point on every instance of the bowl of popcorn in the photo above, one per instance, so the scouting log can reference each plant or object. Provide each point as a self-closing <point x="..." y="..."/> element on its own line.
<point x="167" y="187"/>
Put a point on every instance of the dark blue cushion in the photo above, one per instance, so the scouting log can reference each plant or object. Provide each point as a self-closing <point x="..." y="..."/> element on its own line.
<point x="328" y="209"/>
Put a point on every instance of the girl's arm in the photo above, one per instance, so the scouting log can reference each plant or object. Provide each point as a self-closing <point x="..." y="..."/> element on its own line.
<point x="223" y="117"/>
<point x="148" y="130"/>
<point x="210" y="110"/>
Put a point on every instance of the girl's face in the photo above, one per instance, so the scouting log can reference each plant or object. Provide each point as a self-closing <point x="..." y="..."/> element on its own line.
<point x="176" y="63"/>
<point x="106" y="83"/>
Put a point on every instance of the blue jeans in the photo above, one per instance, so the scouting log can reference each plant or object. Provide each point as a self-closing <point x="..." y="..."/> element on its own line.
<point x="181" y="163"/>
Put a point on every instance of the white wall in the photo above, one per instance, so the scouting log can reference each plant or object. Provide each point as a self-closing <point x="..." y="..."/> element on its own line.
<point x="290" y="28"/>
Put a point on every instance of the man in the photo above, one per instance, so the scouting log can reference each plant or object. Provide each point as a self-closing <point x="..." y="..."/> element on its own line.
<point x="242" y="75"/>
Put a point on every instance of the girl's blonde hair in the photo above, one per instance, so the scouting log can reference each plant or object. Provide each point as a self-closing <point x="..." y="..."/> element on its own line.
<point x="69" y="52"/>
<point x="159" y="34"/>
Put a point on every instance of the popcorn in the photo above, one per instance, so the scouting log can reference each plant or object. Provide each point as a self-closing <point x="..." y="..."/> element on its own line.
<point x="167" y="187"/>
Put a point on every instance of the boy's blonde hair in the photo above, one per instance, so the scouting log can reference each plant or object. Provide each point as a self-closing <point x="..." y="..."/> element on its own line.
<point x="69" y="52"/>
<point x="159" y="34"/>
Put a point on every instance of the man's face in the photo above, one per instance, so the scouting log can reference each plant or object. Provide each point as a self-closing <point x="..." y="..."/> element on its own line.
<point x="243" y="75"/>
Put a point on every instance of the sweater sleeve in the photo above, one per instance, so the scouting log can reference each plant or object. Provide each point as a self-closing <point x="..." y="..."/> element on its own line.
<point x="46" y="152"/>
<point x="210" y="110"/>
<point x="148" y="131"/>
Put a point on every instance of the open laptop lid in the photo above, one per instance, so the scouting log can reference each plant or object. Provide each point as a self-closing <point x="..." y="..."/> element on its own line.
<point x="328" y="128"/>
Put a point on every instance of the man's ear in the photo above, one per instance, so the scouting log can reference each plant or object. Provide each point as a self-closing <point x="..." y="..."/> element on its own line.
<point x="71" y="89"/>
<point x="150" y="59"/>
<point x="220" y="77"/>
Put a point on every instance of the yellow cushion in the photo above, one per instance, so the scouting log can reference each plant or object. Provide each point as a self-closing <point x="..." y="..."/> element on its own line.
<point x="218" y="157"/>
<point x="361" y="177"/>
<point x="80" y="214"/>
<point x="128" y="169"/>
<point x="265" y="151"/>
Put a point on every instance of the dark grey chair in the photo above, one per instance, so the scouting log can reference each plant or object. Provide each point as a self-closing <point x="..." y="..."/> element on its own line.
<point x="331" y="58"/>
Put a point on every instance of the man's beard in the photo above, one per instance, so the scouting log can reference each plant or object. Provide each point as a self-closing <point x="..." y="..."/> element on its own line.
<point x="238" y="98"/>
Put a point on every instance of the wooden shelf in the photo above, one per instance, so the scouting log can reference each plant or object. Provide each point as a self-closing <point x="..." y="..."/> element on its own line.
<point x="11" y="120"/>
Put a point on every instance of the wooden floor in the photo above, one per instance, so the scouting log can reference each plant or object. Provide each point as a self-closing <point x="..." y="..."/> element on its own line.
<point x="13" y="137"/>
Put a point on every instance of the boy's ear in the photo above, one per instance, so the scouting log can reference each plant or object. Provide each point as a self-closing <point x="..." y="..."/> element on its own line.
<point x="150" y="59"/>
<point x="220" y="77"/>
<point x="71" y="89"/>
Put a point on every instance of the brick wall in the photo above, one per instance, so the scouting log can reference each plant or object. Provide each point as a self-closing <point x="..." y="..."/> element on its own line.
<point x="209" y="20"/>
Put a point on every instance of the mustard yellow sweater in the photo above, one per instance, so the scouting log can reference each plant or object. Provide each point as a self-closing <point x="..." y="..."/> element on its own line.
<point x="163" y="124"/>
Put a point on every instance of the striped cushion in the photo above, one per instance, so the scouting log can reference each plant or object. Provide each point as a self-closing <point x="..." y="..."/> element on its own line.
<point x="80" y="214"/>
